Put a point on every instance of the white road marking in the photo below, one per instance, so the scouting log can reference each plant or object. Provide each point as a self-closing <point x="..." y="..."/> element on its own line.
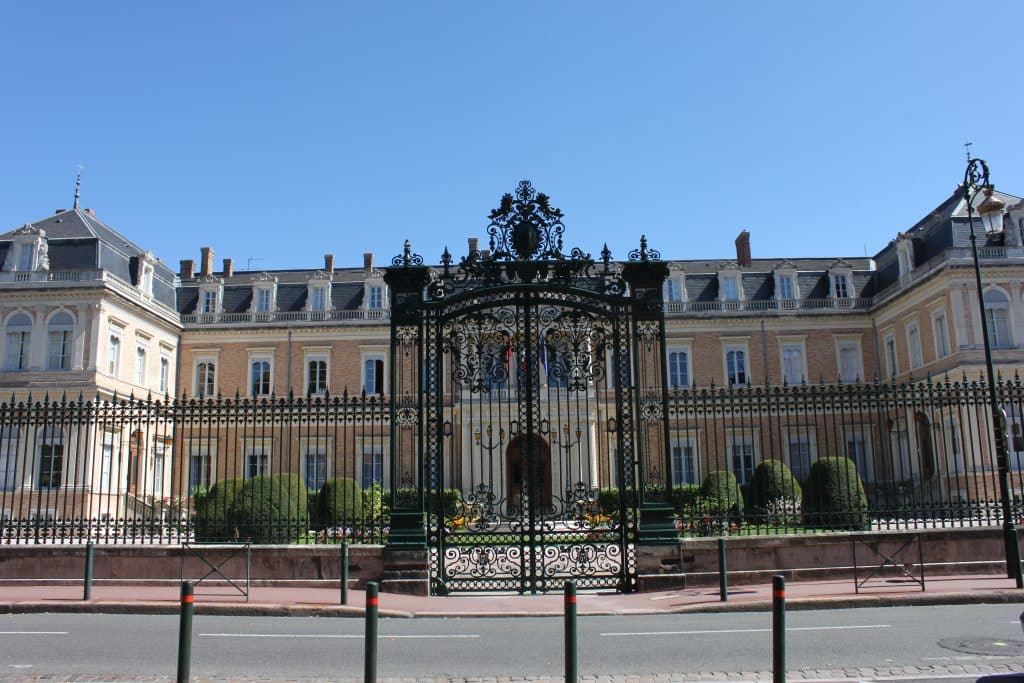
<point x="33" y="633"/>
<point x="743" y="630"/>
<point x="334" y="636"/>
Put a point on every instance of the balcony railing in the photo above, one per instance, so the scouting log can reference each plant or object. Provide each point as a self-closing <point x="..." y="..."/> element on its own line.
<point x="51" y="276"/>
<point x="283" y="317"/>
<point x="768" y="305"/>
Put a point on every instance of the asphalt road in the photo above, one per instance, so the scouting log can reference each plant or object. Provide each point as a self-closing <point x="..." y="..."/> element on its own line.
<point x="264" y="647"/>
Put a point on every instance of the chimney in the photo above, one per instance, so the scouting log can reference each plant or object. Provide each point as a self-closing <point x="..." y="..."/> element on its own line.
<point x="329" y="262"/>
<point x="90" y="212"/>
<point x="368" y="262"/>
<point x="206" y="264"/>
<point x="743" y="249"/>
<point x="188" y="269"/>
<point x="474" y="244"/>
<point x="229" y="267"/>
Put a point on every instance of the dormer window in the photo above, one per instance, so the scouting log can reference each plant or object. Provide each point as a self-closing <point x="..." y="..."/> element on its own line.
<point x="318" y="295"/>
<point x="28" y="251"/>
<point x="787" y="287"/>
<point x="675" y="287"/>
<point x="730" y="287"/>
<point x="264" y="296"/>
<point x="841" y="284"/>
<point x="375" y="294"/>
<point x="143" y="266"/>
<point x="209" y="301"/>
<point x="905" y="254"/>
<point x="375" y="297"/>
<point x="211" y="295"/>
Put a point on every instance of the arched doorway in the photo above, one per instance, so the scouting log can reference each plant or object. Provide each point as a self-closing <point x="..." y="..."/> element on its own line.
<point x="525" y="454"/>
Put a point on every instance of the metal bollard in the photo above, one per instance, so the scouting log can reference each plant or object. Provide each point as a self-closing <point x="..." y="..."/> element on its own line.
<point x="571" y="636"/>
<point x="185" y="631"/>
<point x="723" y="578"/>
<point x="779" y="628"/>
<point x="344" y="573"/>
<point x="87" y="590"/>
<point x="370" y="654"/>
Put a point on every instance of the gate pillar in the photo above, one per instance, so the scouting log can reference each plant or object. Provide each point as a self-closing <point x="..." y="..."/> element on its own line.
<point x="646" y="274"/>
<point x="406" y="281"/>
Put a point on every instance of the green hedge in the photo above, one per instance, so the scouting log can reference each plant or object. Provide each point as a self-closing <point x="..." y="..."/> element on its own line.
<point x="213" y="519"/>
<point x="834" y="496"/>
<point x="772" y="481"/>
<point x="272" y="509"/>
<point x="409" y="497"/>
<point x="723" y="493"/>
<point x="340" y="503"/>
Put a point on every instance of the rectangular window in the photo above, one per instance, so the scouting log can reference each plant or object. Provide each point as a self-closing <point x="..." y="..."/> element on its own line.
<point x="51" y="462"/>
<point x="59" y="352"/>
<point x="858" y="449"/>
<point x="9" y="438"/>
<point x="318" y="299"/>
<point x="742" y="458"/>
<point x="842" y="286"/>
<point x="315" y="467"/>
<point x="678" y="369"/>
<point x="673" y="290"/>
<point x="206" y="378"/>
<point x="114" y="354"/>
<point x="955" y="447"/>
<point x="373" y="466"/>
<point x="140" y="365"/>
<point x="18" y="345"/>
<point x="685" y="465"/>
<point x="914" y="345"/>
<point x="786" y="290"/>
<point x="257" y="458"/>
<point x="376" y="298"/>
<point x="373" y="376"/>
<point x="849" y="362"/>
<point x="736" y="367"/>
<point x="262" y="300"/>
<point x="316" y="376"/>
<point x="165" y="370"/>
<point x="998" y="321"/>
<point x="730" y="289"/>
<point x="793" y="364"/>
<point x="941" y="334"/>
<point x="26" y="256"/>
<point x="259" y="378"/>
<point x="158" y="469"/>
<point x="209" y="302"/>
<point x="107" y="461"/>
<point x="800" y="447"/>
<point x="199" y="466"/>
<point x="891" y="361"/>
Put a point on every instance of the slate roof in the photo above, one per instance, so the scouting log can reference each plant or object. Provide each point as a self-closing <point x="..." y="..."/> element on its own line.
<point x="346" y="291"/>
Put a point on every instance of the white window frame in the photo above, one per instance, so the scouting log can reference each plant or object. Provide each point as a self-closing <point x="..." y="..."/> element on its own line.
<point x="114" y="346"/>
<point x="905" y="256"/>
<point x="18" y="342"/>
<point x="801" y="434"/>
<point x="953" y="458"/>
<point x="376" y="353"/>
<point x="680" y="441"/>
<point x="141" y="360"/>
<point x="940" y="332"/>
<point x="320" y="446"/>
<point x="375" y="448"/>
<point x="841" y="275"/>
<point x="205" y="391"/>
<point x="786" y="276"/>
<point x="318" y="296"/>
<point x="675" y="288"/>
<point x="914" y="352"/>
<point x="10" y="440"/>
<point x="730" y="347"/>
<point x="788" y="346"/>
<point x="671" y="351"/>
<point x="860" y="437"/>
<point x="204" y="451"/>
<point x="999" y="309"/>
<point x="317" y="357"/>
<point x="891" y="354"/>
<point x="165" y="373"/>
<point x="726" y="281"/>
<point x="257" y="456"/>
<point x="49" y="437"/>
<point x="263" y="357"/>
<point x="748" y="439"/>
<point x="110" y="449"/>
<point x="66" y="340"/>
<point x="851" y="344"/>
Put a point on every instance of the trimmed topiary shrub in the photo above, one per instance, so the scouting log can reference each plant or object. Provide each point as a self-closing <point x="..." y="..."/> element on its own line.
<point x="272" y="509"/>
<point x="723" y="493"/>
<point x="409" y="497"/>
<point x="834" y="495"/>
<point x="213" y="520"/>
<point x="684" y="498"/>
<point x="772" y="481"/>
<point x="340" y="503"/>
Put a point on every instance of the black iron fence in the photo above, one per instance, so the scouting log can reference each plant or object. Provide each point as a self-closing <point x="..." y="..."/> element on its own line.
<point x="744" y="460"/>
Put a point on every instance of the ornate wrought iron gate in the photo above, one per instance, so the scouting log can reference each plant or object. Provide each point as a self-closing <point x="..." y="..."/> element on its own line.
<point x="538" y="387"/>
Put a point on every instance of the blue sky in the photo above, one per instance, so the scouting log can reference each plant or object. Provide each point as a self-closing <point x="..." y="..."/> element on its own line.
<point x="277" y="132"/>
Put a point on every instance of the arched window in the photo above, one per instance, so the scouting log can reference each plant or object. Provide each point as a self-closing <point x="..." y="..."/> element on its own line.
<point x="997" y="316"/>
<point x="19" y="341"/>
<point x="59" y="331"/>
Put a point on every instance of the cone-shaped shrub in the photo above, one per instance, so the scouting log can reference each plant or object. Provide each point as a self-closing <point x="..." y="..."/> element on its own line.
<point x="834" y="496"/>
<point x="341" y="503"/>
<point x="213" y="521"/>
<point x="721" y="489"/>
<point x="272" y="509"/>
<point x="773" y="481"/>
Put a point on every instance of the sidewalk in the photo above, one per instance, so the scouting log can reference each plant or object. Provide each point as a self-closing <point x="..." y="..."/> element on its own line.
<point x="304" y="601"/>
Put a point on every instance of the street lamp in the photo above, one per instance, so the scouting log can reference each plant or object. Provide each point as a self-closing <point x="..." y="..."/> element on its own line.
<point x="990" y="209"/>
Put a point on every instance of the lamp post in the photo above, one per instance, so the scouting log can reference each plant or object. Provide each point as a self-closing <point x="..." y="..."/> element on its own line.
<point x="990" y="209"/>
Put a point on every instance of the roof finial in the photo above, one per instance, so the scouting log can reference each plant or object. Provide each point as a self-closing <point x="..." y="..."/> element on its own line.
<point x="967" y="146"/>
<point x="78" y="184"/>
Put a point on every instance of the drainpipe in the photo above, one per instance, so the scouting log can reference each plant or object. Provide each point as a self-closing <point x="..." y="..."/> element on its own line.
<point x="878" y="359"/>
<point x="288" y="364"/>
<point x="764" y="351"/>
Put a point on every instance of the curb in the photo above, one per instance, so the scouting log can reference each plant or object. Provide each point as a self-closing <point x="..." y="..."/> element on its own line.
<point x="342" y="611"/>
